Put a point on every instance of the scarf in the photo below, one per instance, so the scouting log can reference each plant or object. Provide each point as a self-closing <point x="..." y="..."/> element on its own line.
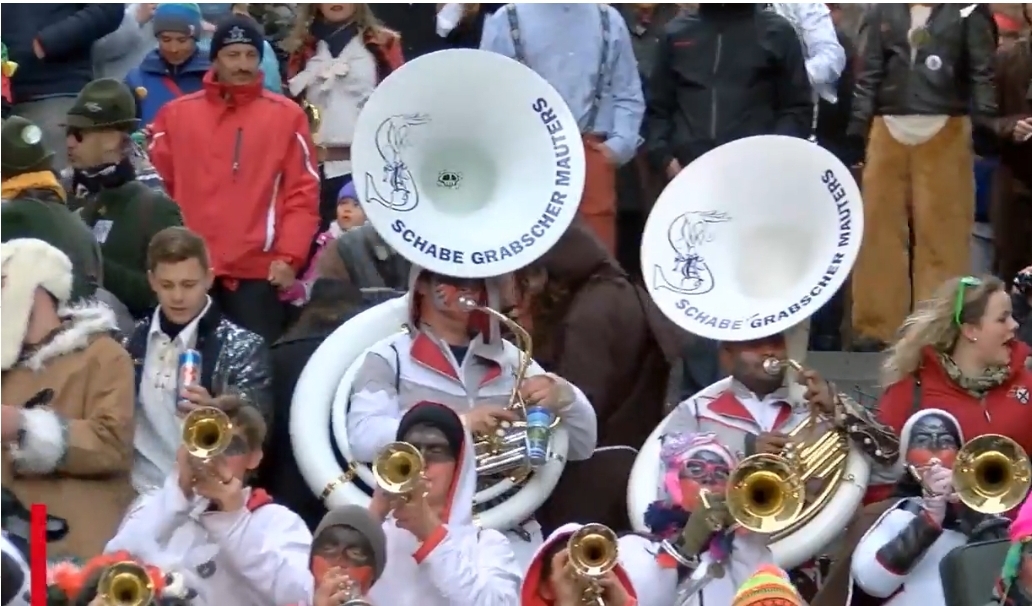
<point x="40" y="180"/>
<point x="976" y="386"/>
<point x="89" y="181"/>
<point x="335" y="35"/>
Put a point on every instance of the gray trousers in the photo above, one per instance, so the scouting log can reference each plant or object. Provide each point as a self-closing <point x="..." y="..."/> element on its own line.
<point x="49" y="115"/>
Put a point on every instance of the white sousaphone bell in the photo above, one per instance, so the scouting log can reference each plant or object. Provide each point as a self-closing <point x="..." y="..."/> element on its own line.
<point x="747" y="241"/>
<point x="470" y="165"/>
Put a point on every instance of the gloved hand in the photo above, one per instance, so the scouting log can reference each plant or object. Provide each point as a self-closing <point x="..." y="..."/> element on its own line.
<point x="702" y="523"/>
<point x="938" y="484"/>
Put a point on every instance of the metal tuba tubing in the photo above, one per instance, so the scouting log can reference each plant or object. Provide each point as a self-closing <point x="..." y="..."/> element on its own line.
<point x="126" y="584"/>
<point x="992" y="474"/>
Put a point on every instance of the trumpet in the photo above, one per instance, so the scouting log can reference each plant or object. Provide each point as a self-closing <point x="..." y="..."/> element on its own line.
<point x="126" y="584"/>
<point x="505" y="450"/>
<point x="765" y="493"/>
<point x="207" y="433"/>
<point x="593" y="551"/>
<point x="398" y="469"/>
<point x="992" y="474"/>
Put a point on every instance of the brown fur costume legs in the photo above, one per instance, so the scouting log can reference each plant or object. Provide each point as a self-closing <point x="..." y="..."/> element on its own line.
<point x="929" y="187"/>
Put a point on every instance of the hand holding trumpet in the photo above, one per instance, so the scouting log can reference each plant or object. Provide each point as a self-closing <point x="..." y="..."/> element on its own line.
<point x="937" y="486"/>
<point x="413" y="512"/>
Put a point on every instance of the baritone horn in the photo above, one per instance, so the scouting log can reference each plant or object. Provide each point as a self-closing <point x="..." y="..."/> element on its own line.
<point x="992" y="474"/>
<point x="398" y="469"/>
<point x="593" y="552"/>
<point x="126" y="584"/>
<point x="765" y="494"/>
<point x="207" y="433"/>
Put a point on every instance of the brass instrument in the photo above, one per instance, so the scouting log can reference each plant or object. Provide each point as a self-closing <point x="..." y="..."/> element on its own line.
<point x="593" y="552"/>
<point x="992" y="474"/>
<point x="126" y="584"/>
<point x="314" y="116"/>
<point x="398" y="469"/>
<point x="207" y="433"/>
<point x="505" y="451"/>
<point x="765" y="494"/>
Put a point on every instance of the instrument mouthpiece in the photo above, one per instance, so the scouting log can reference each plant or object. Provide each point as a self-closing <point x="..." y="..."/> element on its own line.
<point x="773" y="366"/>
<point x="468" y="304"/>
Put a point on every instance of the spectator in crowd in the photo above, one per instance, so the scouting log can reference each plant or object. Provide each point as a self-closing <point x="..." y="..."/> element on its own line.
<point x="602" y="333"/>
<point x="585" y="52"/>
<point x="333" y="302"/>
<point x="338" y="54"/>
<point x="176" y="67"/>
<point x="257" y="160"/>
<point x="694" y="108"/>
<point x="67" y="417"/>
<point x="234" y="361"/>
<point x="51" y="43"/>
<point x="123" y="49"/>
<point x="123" y="213"/>
<point x="233" y="544"/>
<point x="425" y="28"/>
<point x="1012" y="205"/>
<point x="34" y="204"/>
<point x="7" y="69"/>
<point x="919" y="153"/>
<point x="361" y="257"/>
<point x="215" y="13"/>
<point x="1021" y="300"/>
<point x="1009" y="29"/>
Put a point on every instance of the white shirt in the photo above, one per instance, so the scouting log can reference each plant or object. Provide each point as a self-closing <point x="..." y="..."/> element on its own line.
<point x="158" y="427"/>
<point x="240" y="558"/>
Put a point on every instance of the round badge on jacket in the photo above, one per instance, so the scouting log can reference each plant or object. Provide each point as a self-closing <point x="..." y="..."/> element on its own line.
<point x="933" y="62"/>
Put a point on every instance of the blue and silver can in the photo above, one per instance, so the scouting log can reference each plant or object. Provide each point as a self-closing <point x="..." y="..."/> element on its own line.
<point x="189" y="371"/>
<point x="539" y="435"/>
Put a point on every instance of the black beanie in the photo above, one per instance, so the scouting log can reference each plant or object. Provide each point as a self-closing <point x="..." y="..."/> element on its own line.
<point x="439" y="417"/>
<point x="237" y="29"/>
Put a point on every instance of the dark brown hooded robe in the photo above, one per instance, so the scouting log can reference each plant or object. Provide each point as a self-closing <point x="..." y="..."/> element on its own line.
<point x="612" y="342"/>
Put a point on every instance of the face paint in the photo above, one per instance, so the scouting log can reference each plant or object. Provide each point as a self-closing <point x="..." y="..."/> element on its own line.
<point x="702" y="470"/>
<point x="346" y="548"/>
<point x="747" y="364"/>
<point x="933" y="437"/>
<point x="447" y="292"/>
<point x="431" y="442"/>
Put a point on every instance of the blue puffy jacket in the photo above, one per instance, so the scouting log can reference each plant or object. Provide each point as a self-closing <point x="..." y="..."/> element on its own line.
<point x="157" y="78"/>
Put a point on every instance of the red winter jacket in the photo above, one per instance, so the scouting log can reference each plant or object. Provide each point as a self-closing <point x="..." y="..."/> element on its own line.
<point x="1006" y="410"/>
<point x="238" y="160"/>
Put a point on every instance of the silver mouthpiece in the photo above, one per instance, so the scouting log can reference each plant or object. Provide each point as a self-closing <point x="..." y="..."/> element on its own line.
<point x="468" y="304"/>
<point x="773" y="366"/>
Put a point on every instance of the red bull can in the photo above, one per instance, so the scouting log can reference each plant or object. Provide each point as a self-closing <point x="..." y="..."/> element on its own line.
<point x="189" y="370"/>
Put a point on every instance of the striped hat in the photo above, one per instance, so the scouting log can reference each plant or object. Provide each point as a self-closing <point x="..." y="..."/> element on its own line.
<point x="768" y="586"/>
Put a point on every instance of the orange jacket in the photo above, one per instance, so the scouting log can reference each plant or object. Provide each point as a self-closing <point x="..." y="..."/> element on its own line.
<point x="238" y="160"/>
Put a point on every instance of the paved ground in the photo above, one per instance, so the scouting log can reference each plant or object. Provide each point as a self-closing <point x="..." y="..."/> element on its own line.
<point x="854" y="373"/>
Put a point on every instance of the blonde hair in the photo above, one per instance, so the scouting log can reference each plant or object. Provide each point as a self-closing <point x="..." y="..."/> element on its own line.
<point x="307" y="13"/>
<point x="933" y="324"/>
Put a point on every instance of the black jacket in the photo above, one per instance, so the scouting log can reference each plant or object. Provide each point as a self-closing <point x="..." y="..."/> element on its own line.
<point x="951" y="74"/>
<point x="728" y="72"/>
<point x="67" y="33"/>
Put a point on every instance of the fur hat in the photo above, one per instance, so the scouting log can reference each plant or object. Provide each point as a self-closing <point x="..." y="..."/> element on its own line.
<point x="28" y="264"/>
<point x="768" y="586"/>
<point x="104" y="104"/>
<point x="22" y="147"/>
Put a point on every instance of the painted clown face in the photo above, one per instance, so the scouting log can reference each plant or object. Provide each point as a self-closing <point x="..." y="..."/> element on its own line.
<point x="346" y="548"/>
<point x="933" y="437"/>
<point x="698" y="470"/>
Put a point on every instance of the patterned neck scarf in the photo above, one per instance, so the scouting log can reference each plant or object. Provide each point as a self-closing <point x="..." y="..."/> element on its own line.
<point x="976" y="386"/>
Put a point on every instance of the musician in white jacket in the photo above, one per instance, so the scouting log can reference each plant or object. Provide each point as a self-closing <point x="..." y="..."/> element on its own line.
<point x="457" y="358"/>
<point x="232" y="544"/>
<point x="436" y="555"/>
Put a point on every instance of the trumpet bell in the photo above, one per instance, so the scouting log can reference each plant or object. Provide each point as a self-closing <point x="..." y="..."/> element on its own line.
<point x="398" y="469"/>
<point x="593" y="550"/>
<point x="764" y="494"/>
<point x="207" y="432"/>
<point x="126" y="584"/>
<point x="992" y="474"/>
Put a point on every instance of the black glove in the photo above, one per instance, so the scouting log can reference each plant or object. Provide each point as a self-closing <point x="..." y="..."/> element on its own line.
<point x="905" y="550"/>
<point x="702" y="523"/>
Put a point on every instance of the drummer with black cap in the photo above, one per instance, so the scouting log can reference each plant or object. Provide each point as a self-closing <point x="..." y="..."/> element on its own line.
<point x="436" y="554"/>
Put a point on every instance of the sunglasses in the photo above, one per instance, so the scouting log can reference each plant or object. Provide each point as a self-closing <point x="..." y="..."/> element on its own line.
<point x="958" y="304"/>
<point x="76" y="133"/>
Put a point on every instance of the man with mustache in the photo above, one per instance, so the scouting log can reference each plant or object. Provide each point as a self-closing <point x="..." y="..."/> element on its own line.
<point x="238" y="159"/>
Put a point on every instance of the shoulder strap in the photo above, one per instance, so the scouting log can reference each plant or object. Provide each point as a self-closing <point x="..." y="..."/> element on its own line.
<point x="514" y="33"/>
<point x="600" y="77"/>
<point x="172" y="87"/>
<point x="397" y="370"/>
<point x="916" y="403"/>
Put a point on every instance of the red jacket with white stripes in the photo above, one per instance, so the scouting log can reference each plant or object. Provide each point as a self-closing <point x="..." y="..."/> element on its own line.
<point x="239" y="161"/>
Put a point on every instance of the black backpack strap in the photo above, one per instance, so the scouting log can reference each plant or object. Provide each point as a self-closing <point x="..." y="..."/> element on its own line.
<point x="397" y="371"/>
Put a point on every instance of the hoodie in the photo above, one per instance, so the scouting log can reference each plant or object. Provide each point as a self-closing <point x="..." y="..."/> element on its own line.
<point x="529" y="590"/>
<point x="459" y="564"/>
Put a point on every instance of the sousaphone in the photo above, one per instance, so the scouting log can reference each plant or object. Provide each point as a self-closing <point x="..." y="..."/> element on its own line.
<point x="469" y="165"/>
<point x="747" y="241"/>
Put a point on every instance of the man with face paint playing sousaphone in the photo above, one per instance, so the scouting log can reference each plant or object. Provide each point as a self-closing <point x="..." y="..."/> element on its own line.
<point x="896" y="563"/>
<point x="457" y="358"/>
